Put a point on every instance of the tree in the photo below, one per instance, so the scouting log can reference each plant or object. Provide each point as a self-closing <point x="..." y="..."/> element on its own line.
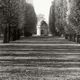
<point x="30" y="20"/>
<point x="74" y="17"/>
<point x="56" y="17"/>
<point x="52" y="20"/>
<point x="15" y="14"/>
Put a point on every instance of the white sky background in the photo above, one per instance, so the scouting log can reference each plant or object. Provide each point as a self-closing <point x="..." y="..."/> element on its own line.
<point x="42" y="7"/>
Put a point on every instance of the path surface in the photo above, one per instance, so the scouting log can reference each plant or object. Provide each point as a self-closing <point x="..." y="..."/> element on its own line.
<point x="40" y="59"/>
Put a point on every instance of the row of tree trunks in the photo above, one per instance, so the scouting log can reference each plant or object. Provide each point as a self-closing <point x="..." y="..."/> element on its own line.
<point x="6" y="35"/>
<point x="11" y="34"/>
<point x="73" y="37"/>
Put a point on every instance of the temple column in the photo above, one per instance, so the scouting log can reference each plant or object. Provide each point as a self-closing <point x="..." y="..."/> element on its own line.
<point x="38" y="31"/>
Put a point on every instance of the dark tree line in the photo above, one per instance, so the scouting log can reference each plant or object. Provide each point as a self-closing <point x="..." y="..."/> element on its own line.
<point x="56" y="18"/>
<point x="65" y="18"/>
<point x="74" y="17"/>
<point x="15" y="16"/>
<point x="74" y="20"/>
<point x="52" y="20"/>
<point x="30" y="20"/>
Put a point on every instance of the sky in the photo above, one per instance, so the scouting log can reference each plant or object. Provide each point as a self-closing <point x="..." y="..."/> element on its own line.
<point x="42" y="7"/>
